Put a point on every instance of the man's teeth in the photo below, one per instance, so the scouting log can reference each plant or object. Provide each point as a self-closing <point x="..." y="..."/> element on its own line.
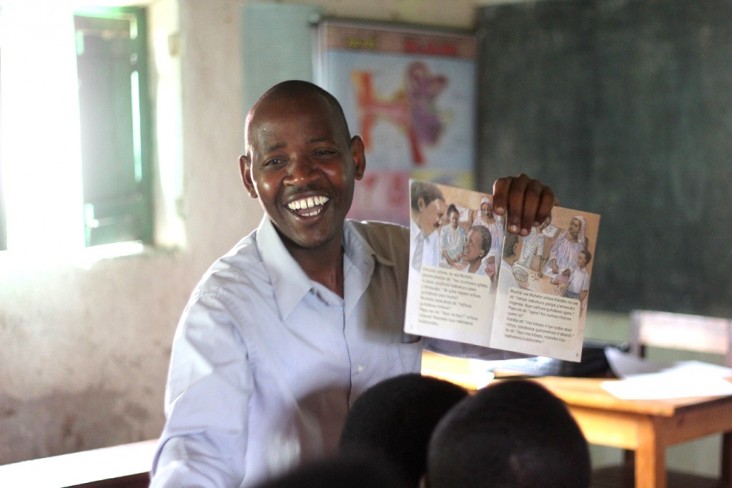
<point x="308" y="203"/>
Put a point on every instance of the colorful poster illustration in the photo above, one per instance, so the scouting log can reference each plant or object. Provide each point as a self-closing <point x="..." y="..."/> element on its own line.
<point x="410" y="94"/>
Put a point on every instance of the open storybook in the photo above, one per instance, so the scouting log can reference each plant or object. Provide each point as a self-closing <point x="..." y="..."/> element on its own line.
<point x="470" y="281"/>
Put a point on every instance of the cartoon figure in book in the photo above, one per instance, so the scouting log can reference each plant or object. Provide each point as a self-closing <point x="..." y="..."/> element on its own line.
<point x="567" y="247"/>
<point x="476" y="251"/>
<point x="427" y="208"/>
<point x="578" y="281"/>
<point x="452" y="237"/>
<point x="484" y="216"/>
<point x="506" y="278"/>
<point x="532" y="247"/>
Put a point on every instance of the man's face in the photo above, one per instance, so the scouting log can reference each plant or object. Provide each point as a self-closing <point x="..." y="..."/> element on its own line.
<point x="302" y="167"/>
<point x="430" y="217"/>
<point x="454" y="219"/>
<point x="574" y="227"/>
<point x="486" y="210"/>
<point x="473" y="249"/>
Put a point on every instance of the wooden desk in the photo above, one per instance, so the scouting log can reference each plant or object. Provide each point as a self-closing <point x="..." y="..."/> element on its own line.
<point x="646" y="427"/>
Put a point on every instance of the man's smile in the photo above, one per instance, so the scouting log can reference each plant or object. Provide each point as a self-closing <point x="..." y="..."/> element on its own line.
<point x="308" y="207"/>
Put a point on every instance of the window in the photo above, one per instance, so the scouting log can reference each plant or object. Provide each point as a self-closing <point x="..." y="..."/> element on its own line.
<point x="115" y="143"/>
<point x="75" y="168"/>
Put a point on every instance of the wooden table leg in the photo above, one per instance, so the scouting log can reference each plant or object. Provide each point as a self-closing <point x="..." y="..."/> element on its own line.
<point x="650" y="456"/>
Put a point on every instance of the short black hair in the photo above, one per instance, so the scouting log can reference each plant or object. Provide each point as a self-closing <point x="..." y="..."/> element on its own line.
<point x="394" y="420"/>
<point x="296" y="89"/>
<point x="337" y="471"/>
<point x="510" y="434"/>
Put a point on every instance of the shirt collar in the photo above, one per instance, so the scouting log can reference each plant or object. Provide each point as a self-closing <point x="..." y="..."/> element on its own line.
<point x="289" y="281"/>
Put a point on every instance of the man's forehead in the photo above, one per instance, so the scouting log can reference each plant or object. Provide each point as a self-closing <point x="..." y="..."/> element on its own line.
<point x="315" y="121"/>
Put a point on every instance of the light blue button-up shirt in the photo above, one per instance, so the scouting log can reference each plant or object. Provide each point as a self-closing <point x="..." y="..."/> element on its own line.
<point x="266" y="362"/>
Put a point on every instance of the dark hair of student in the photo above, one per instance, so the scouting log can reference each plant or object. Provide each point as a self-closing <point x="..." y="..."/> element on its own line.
<point x="352" y="471"/>
<point x="512" y="434"/>
<point x="394" y="420"/>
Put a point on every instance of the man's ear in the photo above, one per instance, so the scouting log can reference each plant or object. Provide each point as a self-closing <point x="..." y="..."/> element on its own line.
<point x="358" y="154"/>
<point x="246" y="175"/>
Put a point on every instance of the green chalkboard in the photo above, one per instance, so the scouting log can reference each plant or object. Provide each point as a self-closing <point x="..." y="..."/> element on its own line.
<point x="625" y="109"/>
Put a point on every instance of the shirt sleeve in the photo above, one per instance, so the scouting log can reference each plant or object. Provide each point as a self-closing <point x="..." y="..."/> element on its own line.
<point x="203" y="443"/>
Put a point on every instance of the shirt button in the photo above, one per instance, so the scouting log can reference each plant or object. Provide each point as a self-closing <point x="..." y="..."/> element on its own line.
<point x="359" y="368"/>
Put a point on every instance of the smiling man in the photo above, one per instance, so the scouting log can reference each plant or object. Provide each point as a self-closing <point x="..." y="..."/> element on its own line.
<point x="284" y="332"/>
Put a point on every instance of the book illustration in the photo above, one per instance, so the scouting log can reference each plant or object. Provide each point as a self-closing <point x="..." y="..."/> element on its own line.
<point x="472" y="282"/>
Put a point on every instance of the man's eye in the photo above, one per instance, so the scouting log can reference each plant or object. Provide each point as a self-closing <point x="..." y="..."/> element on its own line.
<point x="273" y="162"/>
<point x="324" y="152"/>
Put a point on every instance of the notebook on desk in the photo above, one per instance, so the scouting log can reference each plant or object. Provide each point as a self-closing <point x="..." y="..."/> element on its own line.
<point x="594" y="363"/>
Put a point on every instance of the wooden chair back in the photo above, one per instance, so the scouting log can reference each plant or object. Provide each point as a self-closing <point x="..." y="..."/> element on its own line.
<point x="687" y="332"/>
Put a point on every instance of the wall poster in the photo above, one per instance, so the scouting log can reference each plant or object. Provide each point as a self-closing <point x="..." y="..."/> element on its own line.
<point x="410" y="94"/>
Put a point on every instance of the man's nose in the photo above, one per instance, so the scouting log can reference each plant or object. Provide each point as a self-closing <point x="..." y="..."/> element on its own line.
<point x="301" y="168"/>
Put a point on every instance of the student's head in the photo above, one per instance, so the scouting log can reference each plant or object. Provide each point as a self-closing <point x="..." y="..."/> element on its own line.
<point x="583" y="258"/>
<point x="354" y="471"/>
<point x="393" y="420"/>
<point x="453" y="215"/>
<point x="512" y="434"/>
<point x="478" y="243"/>
<point x="427" y="206"/>
<point x="301" y="163"/>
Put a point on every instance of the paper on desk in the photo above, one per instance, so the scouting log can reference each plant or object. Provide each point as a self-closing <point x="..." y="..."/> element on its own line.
<point x="648" y="380"/>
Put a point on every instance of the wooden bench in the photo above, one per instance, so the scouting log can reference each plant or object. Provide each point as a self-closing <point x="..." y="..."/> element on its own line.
<point x="123" y="466"/>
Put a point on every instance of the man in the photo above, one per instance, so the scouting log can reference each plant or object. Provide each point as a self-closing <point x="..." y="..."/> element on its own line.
<point x="301" y="316"/>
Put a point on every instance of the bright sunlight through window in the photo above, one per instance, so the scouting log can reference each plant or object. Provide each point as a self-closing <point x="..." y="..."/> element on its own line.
<point x="40" y="128"/>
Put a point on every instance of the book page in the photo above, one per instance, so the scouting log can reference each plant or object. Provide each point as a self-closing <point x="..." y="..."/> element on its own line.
<point x="538" y="324"/>
<point x="543" y="287"/>
<point x="452" y="265"/>
<point x="470" y="281"/>
<point x="452" y="305"/>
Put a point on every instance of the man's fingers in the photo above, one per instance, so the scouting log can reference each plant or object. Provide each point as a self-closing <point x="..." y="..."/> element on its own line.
<point x="524" y="201"/>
